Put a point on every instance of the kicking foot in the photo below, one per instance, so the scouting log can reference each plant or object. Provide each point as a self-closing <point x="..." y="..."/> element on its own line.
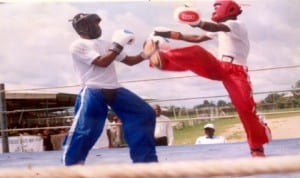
<point x="258" y="152"/>
<point x="151" y="50"/>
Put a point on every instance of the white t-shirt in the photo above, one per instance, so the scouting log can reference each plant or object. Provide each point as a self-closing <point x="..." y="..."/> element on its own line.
<point x="206" y="140"/>
<point x="84" y="52"/>
<point x="163" y="128"/>
<point x="234" y="43"/>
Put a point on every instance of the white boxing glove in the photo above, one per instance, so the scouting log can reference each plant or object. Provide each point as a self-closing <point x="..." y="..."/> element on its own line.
<point x="121" y="38"/>
<point x="187" y="15"/>
<point x="155" y="43"/>
<point x="161" y="42"/>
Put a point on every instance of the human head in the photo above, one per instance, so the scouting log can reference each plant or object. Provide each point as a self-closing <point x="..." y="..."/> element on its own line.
<point x="209" y="130"/>
<point x="157" y="109"/>
<point x="87" y="25"/>
<point x="116" y="119"/>
<point x="225" y="9"/>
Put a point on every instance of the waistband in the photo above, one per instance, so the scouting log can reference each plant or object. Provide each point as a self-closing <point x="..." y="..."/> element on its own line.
<point x="230" y="59"/>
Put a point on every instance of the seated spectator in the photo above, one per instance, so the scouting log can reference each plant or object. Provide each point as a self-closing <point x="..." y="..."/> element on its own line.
<point x="210" y="137"/>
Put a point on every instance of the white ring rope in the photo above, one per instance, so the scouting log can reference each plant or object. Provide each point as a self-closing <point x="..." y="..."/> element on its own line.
<point x="145" y="80"/>
<point x="158" y="100"/>
<point x="112" y="124"/>
<point x="208" y="168"/>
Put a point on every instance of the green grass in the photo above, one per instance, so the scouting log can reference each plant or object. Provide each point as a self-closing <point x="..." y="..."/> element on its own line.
<point x="235" y="136"/>
<point x="275" y="116"/>
<point x="188" y="134"/>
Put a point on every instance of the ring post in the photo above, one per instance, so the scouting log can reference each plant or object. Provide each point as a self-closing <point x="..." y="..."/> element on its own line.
<point x="3" y="120"/>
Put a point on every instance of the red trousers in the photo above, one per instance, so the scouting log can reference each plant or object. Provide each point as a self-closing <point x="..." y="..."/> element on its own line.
<point x="234" y="78"/>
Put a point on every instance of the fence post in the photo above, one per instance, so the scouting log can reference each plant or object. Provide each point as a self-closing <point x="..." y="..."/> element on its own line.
<point x="3" y="120"/>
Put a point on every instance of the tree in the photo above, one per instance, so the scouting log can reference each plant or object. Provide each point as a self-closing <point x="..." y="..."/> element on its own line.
<point x="273" y="98"/>
<point x="296" y="89"/>
<point x="221" y="103"/>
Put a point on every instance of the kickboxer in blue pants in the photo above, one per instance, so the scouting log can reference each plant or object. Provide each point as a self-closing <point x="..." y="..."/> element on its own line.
<point x="93" y="60"/>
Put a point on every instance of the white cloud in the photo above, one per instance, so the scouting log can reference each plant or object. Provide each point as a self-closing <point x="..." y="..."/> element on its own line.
<point x="35" y="38"/>
<point x="35" y="45"/>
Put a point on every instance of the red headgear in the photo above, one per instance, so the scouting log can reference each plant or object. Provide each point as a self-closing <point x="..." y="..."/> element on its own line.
<point x="224" y="9"/>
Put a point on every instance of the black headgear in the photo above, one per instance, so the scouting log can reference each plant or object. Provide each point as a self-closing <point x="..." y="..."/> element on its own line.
<point x="84" y="24"/>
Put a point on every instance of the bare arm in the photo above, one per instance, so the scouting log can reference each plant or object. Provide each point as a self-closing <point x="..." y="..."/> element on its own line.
<point x="213" y="27"/>
<point x="194" y="38"/>
<point x="207" y="26"/>
<point x="184" y="37"/>
<point x="106" y="59"/>
<point x="132" y="60"/>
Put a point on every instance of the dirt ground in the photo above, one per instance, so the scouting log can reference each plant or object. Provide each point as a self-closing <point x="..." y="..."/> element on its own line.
<point x="281" y="128"/>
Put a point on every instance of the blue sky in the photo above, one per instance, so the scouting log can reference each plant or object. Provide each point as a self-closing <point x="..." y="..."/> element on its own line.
<point x="35" y="39"/>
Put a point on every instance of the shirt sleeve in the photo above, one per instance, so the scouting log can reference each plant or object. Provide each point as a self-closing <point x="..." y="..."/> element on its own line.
<point x="83" y="53"/>
<point x="232" y="24"/>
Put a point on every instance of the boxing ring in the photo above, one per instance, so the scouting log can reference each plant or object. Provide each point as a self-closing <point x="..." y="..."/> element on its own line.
<point x="216" y="160"/>
<point x="231" y="159"/>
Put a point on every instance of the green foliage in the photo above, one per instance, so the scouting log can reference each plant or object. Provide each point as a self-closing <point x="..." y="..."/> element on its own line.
<point x="296" y="90"/>
<point x="274" y="97"/>
<point x="206" y="103"/>
<point x="222" y="103"/>
<point x="188" y="134"/>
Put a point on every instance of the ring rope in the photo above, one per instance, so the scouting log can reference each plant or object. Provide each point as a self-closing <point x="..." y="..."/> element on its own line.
<point x="158" y="100"/>
<point x="39" y="109"/>
<point x="188" y="76"/>
<point x="208" y="168"/>
<point x="146" y="80"/>
<point x="172" y="120"/>
<point x="221" y="96"/>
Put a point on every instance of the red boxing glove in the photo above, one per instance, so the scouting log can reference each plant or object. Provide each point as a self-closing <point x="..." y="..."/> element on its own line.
<point x="187" y="15"/>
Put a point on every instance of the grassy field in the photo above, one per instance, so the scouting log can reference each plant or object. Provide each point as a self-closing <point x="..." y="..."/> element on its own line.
<point x="188" y="134"/>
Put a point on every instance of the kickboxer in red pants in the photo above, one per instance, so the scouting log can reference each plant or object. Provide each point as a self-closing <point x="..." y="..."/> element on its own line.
<point x="230" y="67"/>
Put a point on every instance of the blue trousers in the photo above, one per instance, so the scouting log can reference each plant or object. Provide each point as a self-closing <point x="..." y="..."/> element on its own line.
<point x="138" y="120"/>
